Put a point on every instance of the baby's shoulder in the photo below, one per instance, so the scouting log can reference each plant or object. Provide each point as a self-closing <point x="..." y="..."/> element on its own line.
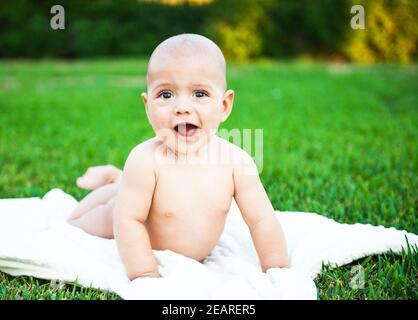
<point x="237" y="155"/>
<point x="139" y="168"/>
<point x="242" y="162"/>
<point x="144" y="154"/>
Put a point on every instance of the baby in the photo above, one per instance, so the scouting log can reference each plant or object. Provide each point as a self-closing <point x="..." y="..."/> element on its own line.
<point x="176" y="189"/>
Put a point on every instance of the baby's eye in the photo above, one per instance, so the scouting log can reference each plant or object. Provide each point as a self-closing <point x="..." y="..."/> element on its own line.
<point x="165" y="94"/>
<point x="200" y="94"/>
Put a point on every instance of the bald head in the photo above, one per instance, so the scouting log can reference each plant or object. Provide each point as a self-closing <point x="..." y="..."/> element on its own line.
<point x="191" y="47"/>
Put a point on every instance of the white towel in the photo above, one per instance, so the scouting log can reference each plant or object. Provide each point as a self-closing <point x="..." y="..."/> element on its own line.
<point x="35" y="240"/>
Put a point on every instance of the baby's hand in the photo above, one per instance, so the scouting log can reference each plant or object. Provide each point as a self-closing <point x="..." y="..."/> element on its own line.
<point x="172" y="264"/>
<point x="182" y="278"/>
<point x="151" y="274"/>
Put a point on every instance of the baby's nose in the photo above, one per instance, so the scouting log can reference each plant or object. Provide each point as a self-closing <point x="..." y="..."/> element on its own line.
<point x="183" y="109"/>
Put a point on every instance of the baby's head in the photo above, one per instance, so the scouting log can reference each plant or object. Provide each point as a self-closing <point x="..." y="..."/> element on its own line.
<point x="186" y="96"/>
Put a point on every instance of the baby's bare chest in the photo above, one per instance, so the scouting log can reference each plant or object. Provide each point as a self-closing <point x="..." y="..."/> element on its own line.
<point x="183" y="191"/>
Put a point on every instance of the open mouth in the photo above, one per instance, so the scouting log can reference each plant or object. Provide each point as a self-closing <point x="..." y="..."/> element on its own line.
<point x="186" y="129"/>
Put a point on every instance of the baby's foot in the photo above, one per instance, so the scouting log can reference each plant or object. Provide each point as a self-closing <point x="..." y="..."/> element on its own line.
<point x="98" y="176"/>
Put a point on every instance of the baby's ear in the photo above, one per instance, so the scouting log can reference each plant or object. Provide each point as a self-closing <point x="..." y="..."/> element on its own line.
<point x="145" y="101"/>
<point x="144" y="98"/>
<point x="228" y="101"/>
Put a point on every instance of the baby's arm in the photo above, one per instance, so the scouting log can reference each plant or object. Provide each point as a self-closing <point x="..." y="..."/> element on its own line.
<point x="131" y="211"/>
<point x="258" y="213"/>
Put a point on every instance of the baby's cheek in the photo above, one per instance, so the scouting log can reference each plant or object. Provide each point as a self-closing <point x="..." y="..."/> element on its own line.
<point x="159" y="119"/>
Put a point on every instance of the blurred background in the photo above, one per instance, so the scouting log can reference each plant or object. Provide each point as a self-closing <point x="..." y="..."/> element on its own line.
<point x="244" y="29"/>
<point x="338" y="108"/>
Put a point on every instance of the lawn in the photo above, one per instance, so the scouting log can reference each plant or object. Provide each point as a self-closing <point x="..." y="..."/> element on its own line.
<point x="338" y="140"/>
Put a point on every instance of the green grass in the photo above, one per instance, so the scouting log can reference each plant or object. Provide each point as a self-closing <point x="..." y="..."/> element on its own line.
<point x="341" y="141"/>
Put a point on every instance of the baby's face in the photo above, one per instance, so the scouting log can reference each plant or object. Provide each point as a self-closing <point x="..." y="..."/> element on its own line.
<point x="186" y="101"/>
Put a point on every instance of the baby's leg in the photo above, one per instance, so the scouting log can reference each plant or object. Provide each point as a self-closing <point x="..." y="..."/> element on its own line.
<point x="98" y="176"/>
<point x="94" y="214"/>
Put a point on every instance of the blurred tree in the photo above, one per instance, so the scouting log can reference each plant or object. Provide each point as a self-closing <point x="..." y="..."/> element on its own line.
<point x="244" y="29"/>
<point x="305" y="27"/>
<point x="391" y="32"/>
<point x="237" y="27"/>
<point x="177" y="2"/>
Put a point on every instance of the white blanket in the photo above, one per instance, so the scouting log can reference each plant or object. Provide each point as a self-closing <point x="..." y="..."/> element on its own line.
<point x="36" y="240"/>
